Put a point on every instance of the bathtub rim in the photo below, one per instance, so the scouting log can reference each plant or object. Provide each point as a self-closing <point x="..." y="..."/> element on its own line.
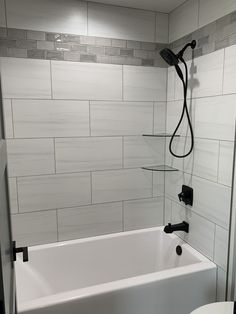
<point x="204" y="264"/>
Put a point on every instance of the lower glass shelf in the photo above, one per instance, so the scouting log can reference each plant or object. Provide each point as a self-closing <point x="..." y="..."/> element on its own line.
<point x="160" y="168"/>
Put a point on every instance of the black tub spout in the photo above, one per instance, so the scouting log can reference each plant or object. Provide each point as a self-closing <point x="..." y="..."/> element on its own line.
<point x="183" y="226"/>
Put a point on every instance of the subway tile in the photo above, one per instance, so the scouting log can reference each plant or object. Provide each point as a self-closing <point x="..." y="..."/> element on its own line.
<point x="162" y="28"/>
<point x="7" y="113"/>
<point x="221" y="247"/>
<point x="139" y="24"/>
<point x="201" y="231"/>
<point x="212" y="120"/>
<point x="72" y="80"/>
<point x="2" y="14"/>
<point x="145" y="83"/>
<point x="183" y="20"/>
<point x="226" y="163"/>
<point x="159" y="117"/>
<point x="117" y="185"/>
<point x="88" y="154"/>
<point x="229" y="86"/>
<point x="12" y="185"/>
<point x="211" y="10"/>
<point x="121" y="118"/>
<point x="53" y="191"/>
<point x="221" y="285"/>
<point x="216" y="209"/>
<point x="50" y="16"/>
<point x="36" y="35"/>
<point x="50" y="118"/>
<point x="30" y="157"/>
<point x="35" y="228"/>
<point x="24" y="78"/>
<point x="144" y="213"/>
<point x="88" y="221"/>
<point x="142" y="151"/>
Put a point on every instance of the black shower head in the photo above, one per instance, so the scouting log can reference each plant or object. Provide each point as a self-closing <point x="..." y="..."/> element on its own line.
<point x="173" y="59"/>
<point x="169" y="56"/>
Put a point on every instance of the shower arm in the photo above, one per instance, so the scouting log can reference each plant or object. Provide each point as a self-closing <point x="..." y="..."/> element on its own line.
<point x="181" y="53"/>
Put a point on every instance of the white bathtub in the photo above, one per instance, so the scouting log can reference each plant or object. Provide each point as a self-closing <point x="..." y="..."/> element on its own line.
<point x="135" y="272"/>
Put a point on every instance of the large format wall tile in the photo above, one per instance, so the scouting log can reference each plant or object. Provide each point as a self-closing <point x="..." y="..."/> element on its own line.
<point x="221" y="247"/>
<point x="211" y="200"/>
<point x="50" y="118"/>
<point x="211" y="10"/>
<point x="12" y="186"/>
<point x="183" y="20"/>
<point x="35" y="228"/>
<point x="81" y="154"/>
<point x="145" y="83"/>
<point x="29" y="157"/>
<point x="230" y="71"/>
<point x="121" y="118"/>
<point x="25" y="78"/>
<point x="48" y="15"/>
<point x="144" y="213"/>
<point x="201" y="231"/>
<point x="221" y="285"/>
<point x="7" y="113"/>
<point x="2" y="14"/>
<point x="119" y="22"/>
<point x="162" y="28"/>
<point x="53" y="191"/>
<point x="88" y="221"/>
<point x="75" y="80"/>
<point x="159" y="117"/>
<point x="212" y="120"/>
<point x="226" y="163"/>
<point x="142" y="151"/>
<point x="117" y="185"/>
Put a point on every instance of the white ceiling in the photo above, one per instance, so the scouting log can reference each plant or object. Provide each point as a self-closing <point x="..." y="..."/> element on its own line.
<point x="165" y="6"/>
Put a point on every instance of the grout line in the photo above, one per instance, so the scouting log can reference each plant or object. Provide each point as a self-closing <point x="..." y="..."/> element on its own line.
<point x="91" y="187"/>
<point x="17" y="196"/>
<point x="123" y="152"/>
<point x="57" y="225"/>
<point x="12" y="120"/>
<point x="218" y="163"/>
<point x="55" y="160"/>
<point x="223" y="74"/>
<point x="90" y="126"/>
<point x="123" y="216"/>
<point x="51" y="79"/>
<point x="214" y="242"/>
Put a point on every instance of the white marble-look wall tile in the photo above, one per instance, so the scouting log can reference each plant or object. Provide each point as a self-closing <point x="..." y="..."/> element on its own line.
<point x="75" y="80"/>
<point x="12" y="186"/>
<point x="48" y="15"/>
<point x="171" y="77"/>
<point x="120" y="22"/>
<point x="162" y="27"/>
<point x="201" y="231"/>
<point x="202" y="162"/>
<point x="144" y="213"/>
<point x="117" y="185"/>
<point x="159" y="117"/>
<point x="211" y="200"/>
<point x="88" y="154"/>
<point x="183" y="20"/>
<point x="229" y="86"/>
<point x="167" y="211"/>
<point x="158" y="183"/>
<point x="174" y="110"/>
<point x="211" y="10"/>
<point x="145" y="83"/>
<point x="142" y="151"/>
<point x="53" y="191"/>
<point x="121" y="118"/>
<point x="226" y="163"/>
<point x="221" y="285"/>
<point x="221" y="247"/>
<point x="30" y="157"/>
<point x="25" y="78"/>
<point x="205" y="76"/>
<point x="50" y="118"/>
<point x="2" y="14"/>
<point x="35" y="228"/>
<point x="7" y="114"/>
<point x="88" y="221"/>
<point x="215" y="117"/>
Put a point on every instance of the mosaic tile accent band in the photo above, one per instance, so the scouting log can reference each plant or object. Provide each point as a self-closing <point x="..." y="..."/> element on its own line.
<point x="19" y="43"/>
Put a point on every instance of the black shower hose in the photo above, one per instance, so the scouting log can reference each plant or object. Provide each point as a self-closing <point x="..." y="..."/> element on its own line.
<point x="185" y="109"/>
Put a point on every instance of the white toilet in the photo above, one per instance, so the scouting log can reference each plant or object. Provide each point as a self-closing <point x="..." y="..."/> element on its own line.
<point x="216" y="308"/>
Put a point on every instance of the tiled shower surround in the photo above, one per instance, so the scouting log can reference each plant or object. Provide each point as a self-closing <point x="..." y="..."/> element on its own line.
<point x="74" y="126"/>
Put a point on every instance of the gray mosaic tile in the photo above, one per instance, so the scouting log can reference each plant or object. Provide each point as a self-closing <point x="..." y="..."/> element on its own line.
<point x="16" y="33"/>
<point x="3" y="32"/>
<point x="26" y="44"/>
<point x="88" y="58"/>
<point x="45" y="45"/>
<point x="133" y="44"/>
<point x="112" y="51"/>
<point x="53" y="37"/>
<point x="87" y="40"/>
<point x="119" y="43"/>
<point x="147" y="62"/>
<point x="104" y="59"/>
<point x="8" y="43"/>
<point x="96" y="50"/>
<point x="54" y="55"/>
<point x="103" y="41"/>
<point x="65" y="38"/>
<point x="203" y="41"/>
<point x="17" y="53"/>
<point x="3" y="51"/>
<point x="126" y="52"/>
<point x="36" y="35"/>
<point x="59" y="46"/>
<point x="222" y="44"/>
<point x="71" y="56"/>
<point x="36" y="54"/>
<point x="148" y="46"/>
<point x="80" y="48"/>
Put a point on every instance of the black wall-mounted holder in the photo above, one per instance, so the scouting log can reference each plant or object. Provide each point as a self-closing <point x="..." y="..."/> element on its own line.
<point x="186" y="196"/>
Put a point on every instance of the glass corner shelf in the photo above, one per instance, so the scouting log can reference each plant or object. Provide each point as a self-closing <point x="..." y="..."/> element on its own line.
<point x="160" y="135"/>
<point x="160" y="168"/>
